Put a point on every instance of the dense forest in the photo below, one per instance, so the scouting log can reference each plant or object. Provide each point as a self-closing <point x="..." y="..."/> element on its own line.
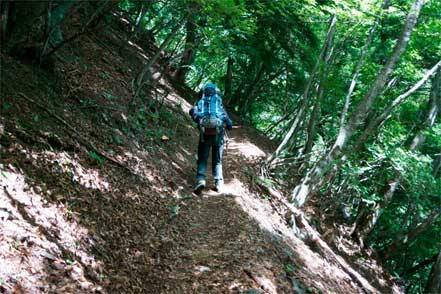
<point x="347" y="92"/>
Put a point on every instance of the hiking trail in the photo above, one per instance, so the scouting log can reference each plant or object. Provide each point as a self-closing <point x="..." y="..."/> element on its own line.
<point x="105" y="205"/>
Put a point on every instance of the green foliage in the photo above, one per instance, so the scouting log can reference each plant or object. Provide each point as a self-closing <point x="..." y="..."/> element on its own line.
<point x="109" y="96"/>
<point x="96" y="156"/>
<point x="274" y="46"/>
<point x="6" y="106"/>
<point x="289" y="268"/>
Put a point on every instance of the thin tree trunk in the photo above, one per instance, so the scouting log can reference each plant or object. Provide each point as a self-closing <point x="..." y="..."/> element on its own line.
<point x="375" y="123"/>
<point x="229" y="80"/>
<point x="189" y="54"/>
<point x="434" y="282"/>
<point x="4" y="20"/>
<point x="315" y="114"/>
<point x="305" y="97"/>
<point x="145" y="73"/>
<point x="436" y="165"/>
<point x="310" y="130"/>
<point x="418" y="140"/>
<point x="360" y="62"/>
<point x="96" y="16"/>
<point x="275" y="124"/>
<point x="422" y="264"/>
<point x="413" y="232"/>
<point x="312" y="181"/>
<point x="245" y="100"/>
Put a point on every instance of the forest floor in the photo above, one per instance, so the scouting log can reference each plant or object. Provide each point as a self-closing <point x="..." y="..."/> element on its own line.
<point x="93" y="200"/>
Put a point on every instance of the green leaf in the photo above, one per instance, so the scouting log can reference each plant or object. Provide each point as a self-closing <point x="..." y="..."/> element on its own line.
<point x="6" y="106"/>
<point x="289" y="268"/>
<point x="96" y="156"/>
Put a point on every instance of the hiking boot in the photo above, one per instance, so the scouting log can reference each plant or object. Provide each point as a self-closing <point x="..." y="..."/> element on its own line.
<point x="219" y="187"/>
<point x="200" y="185"/>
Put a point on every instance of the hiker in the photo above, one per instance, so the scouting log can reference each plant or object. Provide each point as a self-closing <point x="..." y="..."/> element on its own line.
<point x="211" y="118"/>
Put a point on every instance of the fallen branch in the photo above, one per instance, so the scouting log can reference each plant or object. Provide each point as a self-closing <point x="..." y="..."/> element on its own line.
<point x="300" y="222"/>
<point x="262" y="282"/>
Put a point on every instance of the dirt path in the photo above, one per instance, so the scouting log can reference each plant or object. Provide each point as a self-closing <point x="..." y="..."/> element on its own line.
<point x="235" y="243"/>
<point x="71" y="222"/>
<point x="213" y="246"/>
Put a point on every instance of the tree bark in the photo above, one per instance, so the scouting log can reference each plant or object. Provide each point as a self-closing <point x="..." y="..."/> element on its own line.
<point x="416" y="143"/>
<point x="316" y="111"/>
<point x="21" y="25"/>
<point x="360" y="62"/>
<point x="305" y="97"/>
<point x="421" y="264"/>
<point x="434" y="282"/>
<point x="92" y="22"/>
<point x="4" y="20"/>
<point x="313" y="179"/>
<point x="145" y="73"/>
<point x="248" y="95"/>
<point x="189" y="54"/>
<point x="436" y="165"/>
<point x="229" y="80"/>
<point x="376" y="122"/>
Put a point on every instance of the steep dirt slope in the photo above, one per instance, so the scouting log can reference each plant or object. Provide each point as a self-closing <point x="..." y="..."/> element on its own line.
<point x="93" y="200"/>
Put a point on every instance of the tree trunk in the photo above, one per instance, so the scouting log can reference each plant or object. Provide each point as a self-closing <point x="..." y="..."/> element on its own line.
<point x="416" y="143"/>
<point x="189" y="54"/>
<point x="229" y="80"/>
<point x="4" y="20"/>
<point x="315" y="114"/>
<point x="310" y="130"/>
<point x="305" y="98"/>
<point x="436" y="165"/>
<point x="314" y="178"/>
<point x="145" y="73"/>
<point x="434" y="282"/>
<point x="22" y="26"/>
<point x="268" y="131"/>
<point x="248" y="95"/>
<point x="92" y="22"/>
<point x="376" y="122"/>
<point x="360" y="61"/>
<point x="413" y="232"/>
<point x="420" y="265"/>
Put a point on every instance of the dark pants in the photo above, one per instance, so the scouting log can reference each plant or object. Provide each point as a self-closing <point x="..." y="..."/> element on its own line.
<point x="216" y="157"/>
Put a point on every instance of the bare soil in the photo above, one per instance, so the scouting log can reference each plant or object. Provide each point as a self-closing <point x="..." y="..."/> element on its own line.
<point x="94" y="200"/>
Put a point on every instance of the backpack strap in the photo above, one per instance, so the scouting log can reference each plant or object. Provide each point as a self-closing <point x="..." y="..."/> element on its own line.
<point x="203" y="104"/>
<point x="216" y="102"/>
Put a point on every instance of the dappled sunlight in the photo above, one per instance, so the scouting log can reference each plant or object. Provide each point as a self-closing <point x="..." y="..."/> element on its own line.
<point x="306" y="257"/>
<point x="39" y="238"/>
<point x="138" y="166"/>
<point x="311" y="263"/>
<point x="246" y="148"/>
<point x="62" y="162"/>
<point x="139" y="49"/>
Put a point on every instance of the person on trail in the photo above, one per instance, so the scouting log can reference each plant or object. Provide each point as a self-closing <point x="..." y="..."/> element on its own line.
<point x="211" y="118"/>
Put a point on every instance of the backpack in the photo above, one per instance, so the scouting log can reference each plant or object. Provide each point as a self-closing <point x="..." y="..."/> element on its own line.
<point x="211" y="110"/>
